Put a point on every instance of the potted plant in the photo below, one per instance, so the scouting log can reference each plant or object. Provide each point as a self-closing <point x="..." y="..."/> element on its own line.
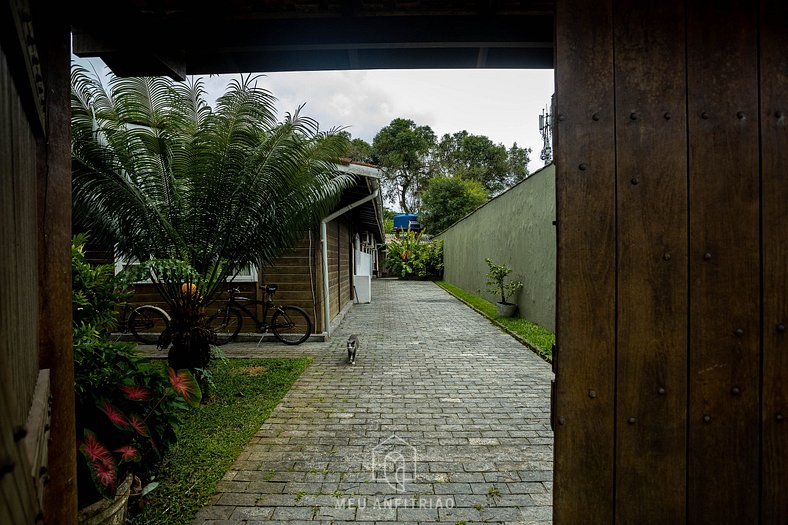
<point x="497" y="285"/>
<point x="126" y="407"/>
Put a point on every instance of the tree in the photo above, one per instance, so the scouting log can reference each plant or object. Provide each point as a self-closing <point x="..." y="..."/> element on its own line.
<point x="358" y="150"/>
<point x="402" y="150"/>
<point x="193" y="193"/>
<point x="476" y="157"/>
<point x="449" y="199"/>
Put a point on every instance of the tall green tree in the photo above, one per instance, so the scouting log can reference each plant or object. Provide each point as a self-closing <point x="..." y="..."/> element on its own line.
<point x="403" y="150"/>
<point x="201" y="192"/>
<point x="449" y="199"/>
<point x="476" y="157"/>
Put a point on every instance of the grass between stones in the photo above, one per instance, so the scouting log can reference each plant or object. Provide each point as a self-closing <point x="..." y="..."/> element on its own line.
<point x="538" y="338"/>
<point x="212" y="436"/>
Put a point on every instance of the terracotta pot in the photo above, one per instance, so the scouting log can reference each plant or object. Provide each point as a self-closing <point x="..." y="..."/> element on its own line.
<point x="108" y="511"/>
<point x="505" y="309"/>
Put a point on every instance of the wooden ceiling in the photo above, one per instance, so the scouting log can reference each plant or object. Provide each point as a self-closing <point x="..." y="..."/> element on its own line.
<point x="180" y="37"/>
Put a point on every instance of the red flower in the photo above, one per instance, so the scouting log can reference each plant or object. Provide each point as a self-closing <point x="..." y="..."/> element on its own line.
<point x="114" y="415"/>
<point x="139" y="425"/>
<point x="136" y="392"/>
<point x="128" y="453"/>
<point x="93" y="450"/>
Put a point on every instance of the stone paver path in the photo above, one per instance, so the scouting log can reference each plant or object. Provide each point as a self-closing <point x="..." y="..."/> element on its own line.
<point x="444" y="418"/>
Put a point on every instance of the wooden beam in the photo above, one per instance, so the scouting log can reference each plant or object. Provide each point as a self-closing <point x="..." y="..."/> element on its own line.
<point x="54" y="261"/>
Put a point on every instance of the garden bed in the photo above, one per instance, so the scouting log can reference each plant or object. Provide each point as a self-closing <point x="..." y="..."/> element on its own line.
<point x="211" y="437"/>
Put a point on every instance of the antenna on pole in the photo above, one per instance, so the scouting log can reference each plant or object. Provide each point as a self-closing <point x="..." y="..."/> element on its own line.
<point x="546" y="130"/>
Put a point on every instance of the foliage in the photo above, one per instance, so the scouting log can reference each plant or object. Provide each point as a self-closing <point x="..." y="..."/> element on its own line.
<point x="449" y="199"/>
<point x="412" y="256"/>
<point x="477" y="158"/>
<point x="496" y="277"/>
<point x="96" y="291"/>
<point x="211" y="437"/>
<point x="388" y="220"/>
<point x="126" y="409"/>
<point x="358" y="150"/>
<point x="163" y="176"/>
<point x="536" y="337"/>
<point x="402" y="150"/>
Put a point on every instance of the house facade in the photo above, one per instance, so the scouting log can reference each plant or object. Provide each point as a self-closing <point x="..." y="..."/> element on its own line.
<point x="320" y="272"/>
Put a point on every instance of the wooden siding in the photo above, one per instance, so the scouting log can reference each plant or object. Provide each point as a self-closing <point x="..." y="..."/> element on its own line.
<point x="345" y="262"/>
<point x="332" y="232"/>
<point x="295" y="274"/>
<point x="18" y="295"/>
<point x="672" y="185"/>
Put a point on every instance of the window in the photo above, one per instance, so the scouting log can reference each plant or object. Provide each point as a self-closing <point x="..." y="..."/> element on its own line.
<point x="248" y="274"/>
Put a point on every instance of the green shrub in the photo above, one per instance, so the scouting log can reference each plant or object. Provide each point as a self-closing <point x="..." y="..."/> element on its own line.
<point x="496" y="277"/>
<point x="126" y="408"/>
<point x="412" y="257"/>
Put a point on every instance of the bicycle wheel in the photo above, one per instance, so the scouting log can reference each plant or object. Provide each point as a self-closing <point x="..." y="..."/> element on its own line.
<point x="291" y="325"/>
<point x="146" y="324"/>
<point x="226" y="323"/>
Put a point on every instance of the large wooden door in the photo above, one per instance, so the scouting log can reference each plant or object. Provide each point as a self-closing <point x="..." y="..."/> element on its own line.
<point x="672" y="185"/>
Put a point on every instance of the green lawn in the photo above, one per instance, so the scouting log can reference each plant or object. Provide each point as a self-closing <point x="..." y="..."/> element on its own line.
<point x="213" y="435"/>
<point x="539" y="338"/>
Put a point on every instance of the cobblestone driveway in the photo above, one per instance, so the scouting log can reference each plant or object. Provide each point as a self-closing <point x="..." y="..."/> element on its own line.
<point x="437" y="391"/>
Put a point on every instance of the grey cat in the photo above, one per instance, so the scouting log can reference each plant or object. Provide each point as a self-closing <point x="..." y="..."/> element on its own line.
<point x="352" y="347"/>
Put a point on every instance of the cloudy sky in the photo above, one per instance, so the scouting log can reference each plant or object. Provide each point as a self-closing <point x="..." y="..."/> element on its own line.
<point x="502" y="104"/>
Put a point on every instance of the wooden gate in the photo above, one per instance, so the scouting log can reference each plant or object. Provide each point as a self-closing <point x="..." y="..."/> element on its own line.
<point x="672" y="188"/>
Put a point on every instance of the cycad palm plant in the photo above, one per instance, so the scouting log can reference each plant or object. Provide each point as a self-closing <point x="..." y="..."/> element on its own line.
<point x="194" y="193"/>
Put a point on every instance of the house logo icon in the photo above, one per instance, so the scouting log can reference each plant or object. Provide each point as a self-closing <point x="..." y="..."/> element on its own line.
<point x="394" y="461"/>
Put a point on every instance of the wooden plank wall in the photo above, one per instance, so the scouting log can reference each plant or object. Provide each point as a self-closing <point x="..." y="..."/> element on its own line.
<point x="345" y="262"/>
<point x="295" y="273"/>
<point x="18" y="296"/>
<point x="672" y="190"/>
<point x="18" y="234"/>
<point x="332" y="231"/>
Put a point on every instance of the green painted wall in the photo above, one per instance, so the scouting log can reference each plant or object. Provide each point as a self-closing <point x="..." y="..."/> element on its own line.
<point x="515" y="228"/>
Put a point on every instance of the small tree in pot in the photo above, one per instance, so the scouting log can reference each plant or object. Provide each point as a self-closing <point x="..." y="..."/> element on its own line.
<point x="496" y="277"/>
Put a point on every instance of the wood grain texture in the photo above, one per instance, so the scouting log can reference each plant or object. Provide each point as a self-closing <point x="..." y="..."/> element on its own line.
<point x="54" y="261"/>
<point x="724" y="360"/>
<point x="586" y="260"/>
<point x="774" y="180"/>
<point x="651" y="173"/>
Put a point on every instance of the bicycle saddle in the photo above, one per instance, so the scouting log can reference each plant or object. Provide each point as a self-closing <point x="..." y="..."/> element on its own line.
<point x="271" y="288"/>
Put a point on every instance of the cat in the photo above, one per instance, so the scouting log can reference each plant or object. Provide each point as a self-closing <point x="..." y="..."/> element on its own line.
<point x="352" y="347"/>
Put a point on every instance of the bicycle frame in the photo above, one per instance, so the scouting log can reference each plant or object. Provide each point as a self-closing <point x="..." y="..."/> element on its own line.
<point x="245" y="304"/>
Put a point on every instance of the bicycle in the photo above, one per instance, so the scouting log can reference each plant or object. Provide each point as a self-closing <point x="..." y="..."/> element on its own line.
<point x="290" y="324"/>
<point x="146" y="323"/>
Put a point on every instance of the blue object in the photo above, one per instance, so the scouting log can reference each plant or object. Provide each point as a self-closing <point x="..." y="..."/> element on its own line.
<point x="403" y="221"/>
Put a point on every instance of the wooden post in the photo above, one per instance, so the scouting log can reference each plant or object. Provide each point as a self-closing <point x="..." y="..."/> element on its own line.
<point x="54" y="261"/>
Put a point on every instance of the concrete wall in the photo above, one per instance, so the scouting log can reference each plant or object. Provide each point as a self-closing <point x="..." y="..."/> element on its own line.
<point x="515" y="228"/>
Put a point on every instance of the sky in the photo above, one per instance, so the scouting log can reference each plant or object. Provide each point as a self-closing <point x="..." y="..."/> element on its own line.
<point x="504" y="105"/>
